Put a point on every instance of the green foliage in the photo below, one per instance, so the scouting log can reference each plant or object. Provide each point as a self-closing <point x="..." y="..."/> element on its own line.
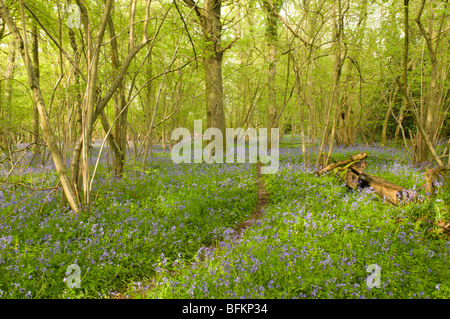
<point x="316" y="240"/>
<point x="168" y="210"/>
<point x="158" y="197"/>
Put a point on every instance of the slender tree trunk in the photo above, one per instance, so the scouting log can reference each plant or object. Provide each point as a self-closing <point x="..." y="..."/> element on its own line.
<point x="161" y="92"/>
<point x="333" y="109"/>
<point x="9" y="87"/>
<point x="401" y="116"/>
<point x="432" y="112"/>
<point x="150" y="94"/>
<point x="76" y="176"/>
<point x="421" y="130"/>
<point x="300" y="108"/>
<point x="35" y="44"/>
<point x="338" y="63"/>
<point x="272" y="39"/>
<point x="93" y="49"/>
<point x="343" y="121"/>
<point x="386" y="117"/>
<point x="39" y="100"/>
<point x="122" y="123"/>
<point x="119" y="103"/>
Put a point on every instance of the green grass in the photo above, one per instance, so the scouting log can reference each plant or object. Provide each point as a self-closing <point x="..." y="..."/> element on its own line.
<point x="168" y="231"/>
<point x="166" y="212"/>
<point x="317" y="239"/>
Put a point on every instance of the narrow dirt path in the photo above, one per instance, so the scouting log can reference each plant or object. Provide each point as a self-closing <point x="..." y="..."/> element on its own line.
<point x="262" y="202"/>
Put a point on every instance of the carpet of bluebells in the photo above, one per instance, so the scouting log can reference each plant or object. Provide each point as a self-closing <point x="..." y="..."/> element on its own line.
<point x="318" y="239"/>
<point x="169" y="231"/>
<point x="164" y="211"/>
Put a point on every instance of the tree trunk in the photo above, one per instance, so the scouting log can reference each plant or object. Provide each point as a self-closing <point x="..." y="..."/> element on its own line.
<point x="388" y="191"/>
<point x="76" y="177"/>
<point x="39" y="100"/>
<point x="386" y="117"/>
<point x="35" y="44"/>
<point x="412" y="108"/>
<point x="7" y="98"/>
<point x="401" y="116"/>
<point x="89" y="115"/>
<point x="272" y="38"/>
<point x="148" y="110"/>
<point x="435" y="178"/>
<point x="209" y="18"/>
<point x="299" y="102"/>
<point x="339" y="58"/>
<point x="432" y="113"/>
<point x="120" y="110"/>
<point x="344" y="119"/>
<point x="215" y="116"/>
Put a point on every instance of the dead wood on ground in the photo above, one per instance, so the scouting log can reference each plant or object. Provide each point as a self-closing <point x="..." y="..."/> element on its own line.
<point x="353" y="168"/>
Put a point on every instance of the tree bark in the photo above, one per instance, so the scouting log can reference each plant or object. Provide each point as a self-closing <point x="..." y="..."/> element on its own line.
<point x="388" y="191"/>
<point x="35" y="44"/>
<point x="93" y="55"/>
<point x="7" y="97"/>
<point x="39" y="100"/>
<point x="434" y="177"/>
<point x="76" y="177"/>
<point x="353" y="158"/>
<point x="339" y="58"/>
<point x="432" y="110"/>
<point x="209" y="19"/>
<point x="272" y="37"/>
<point x="412" y="108"/>
<point x="386" y="117"/>
<point x="120" y="128"/>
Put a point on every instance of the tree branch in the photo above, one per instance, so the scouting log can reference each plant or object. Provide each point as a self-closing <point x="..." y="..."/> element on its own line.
<point x="286" y="24"/>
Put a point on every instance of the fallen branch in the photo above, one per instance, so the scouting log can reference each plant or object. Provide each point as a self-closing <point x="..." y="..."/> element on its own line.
<point x="355" y="158"/>
<point x="353" y="173"/>
<point x="355" y="177"/>
<point x="390" y="192"/>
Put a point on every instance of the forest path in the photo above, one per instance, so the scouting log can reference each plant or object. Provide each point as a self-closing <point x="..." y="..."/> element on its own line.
<point x="262" y="202"/>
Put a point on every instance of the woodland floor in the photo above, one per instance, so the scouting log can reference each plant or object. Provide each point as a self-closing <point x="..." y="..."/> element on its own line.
<point x="262" y="202"/>
<point x="225" y="231"/>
